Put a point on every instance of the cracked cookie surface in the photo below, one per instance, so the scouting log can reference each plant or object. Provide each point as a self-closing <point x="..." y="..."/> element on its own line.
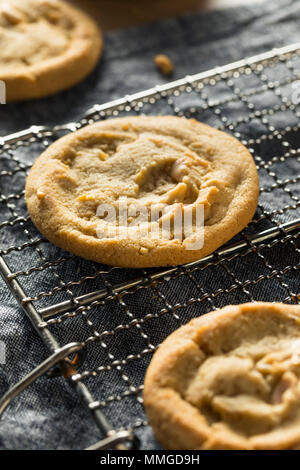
<point x="46" y="46"/>
<point x="167" y="163"/>
<point x="229" y="380"/>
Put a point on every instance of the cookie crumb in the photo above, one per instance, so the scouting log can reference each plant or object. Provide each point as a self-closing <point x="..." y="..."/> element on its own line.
<point x="164" y="64"/>
<point x="144" y="250"/>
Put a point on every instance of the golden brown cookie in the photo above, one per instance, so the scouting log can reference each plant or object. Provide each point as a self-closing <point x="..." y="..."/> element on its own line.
<point x="177" y="165"/>
<point x="46" y="46"/>
<point x="229" y="380"/>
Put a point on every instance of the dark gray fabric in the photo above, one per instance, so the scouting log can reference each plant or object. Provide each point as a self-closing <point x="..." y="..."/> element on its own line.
<point x="48" y="415"/>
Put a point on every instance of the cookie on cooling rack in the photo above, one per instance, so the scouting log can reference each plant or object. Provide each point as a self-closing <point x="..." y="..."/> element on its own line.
<point x="229" y="380"/>
<point x="143" y="191"/>
<point x="46" y="46"/>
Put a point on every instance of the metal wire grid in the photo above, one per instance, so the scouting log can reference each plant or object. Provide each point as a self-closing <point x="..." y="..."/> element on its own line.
<point x="118" y="317"/>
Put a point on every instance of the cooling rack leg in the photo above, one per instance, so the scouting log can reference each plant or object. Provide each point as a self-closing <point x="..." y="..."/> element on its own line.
<point x="56" y="357"/>
<point x="114" y="441"/>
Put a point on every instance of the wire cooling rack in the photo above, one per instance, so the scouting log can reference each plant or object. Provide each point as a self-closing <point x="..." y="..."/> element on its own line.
<point x="101" y="324"/>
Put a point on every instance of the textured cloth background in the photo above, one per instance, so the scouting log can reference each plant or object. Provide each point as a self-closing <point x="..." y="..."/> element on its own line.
<point x="48" y="415"/>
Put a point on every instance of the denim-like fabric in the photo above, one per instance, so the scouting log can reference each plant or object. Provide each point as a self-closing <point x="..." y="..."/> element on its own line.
<point x="48" y="415"/>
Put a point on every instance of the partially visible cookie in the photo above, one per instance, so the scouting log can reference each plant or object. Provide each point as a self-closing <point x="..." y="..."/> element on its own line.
<point x="229" y="380"/>
<point x="45" y="46"/>
<point x="157" y="170"/>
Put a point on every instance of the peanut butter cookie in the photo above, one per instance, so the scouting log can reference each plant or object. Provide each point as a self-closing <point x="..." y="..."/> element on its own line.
<point x="128" y="191"/>
<point x="229" y="380"/>
<point x="45" y="46"/>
